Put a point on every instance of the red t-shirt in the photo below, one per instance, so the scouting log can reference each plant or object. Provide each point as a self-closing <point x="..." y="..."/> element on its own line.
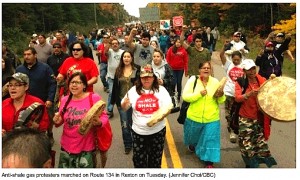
<point x="103" y="56"/>
<point x="85" y="65"/>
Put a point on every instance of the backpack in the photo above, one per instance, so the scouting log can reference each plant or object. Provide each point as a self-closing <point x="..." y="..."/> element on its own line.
<point x="235" y="108"/>
<point x="184" y="107"/>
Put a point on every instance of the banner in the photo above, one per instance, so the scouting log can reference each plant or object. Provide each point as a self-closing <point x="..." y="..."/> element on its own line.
<point x="164" y="24"/>
<point x="177" y="21"/>
<point x="149" y="14"/>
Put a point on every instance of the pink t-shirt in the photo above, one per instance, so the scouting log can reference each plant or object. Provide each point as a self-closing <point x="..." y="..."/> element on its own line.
<point x="71" y="140"/>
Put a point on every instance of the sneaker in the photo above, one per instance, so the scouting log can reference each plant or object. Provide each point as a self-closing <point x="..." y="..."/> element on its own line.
<point x="191" y="148"/>
<point x="127" y="150"/>
<point x="232" y="137"/>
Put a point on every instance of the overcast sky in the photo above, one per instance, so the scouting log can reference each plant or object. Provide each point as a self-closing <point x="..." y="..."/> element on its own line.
<point x="132" y="7"/>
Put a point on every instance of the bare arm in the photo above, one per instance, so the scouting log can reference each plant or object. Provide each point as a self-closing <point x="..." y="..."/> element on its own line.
<point x="290" y="55"/>
<point x="182" y="42"/>
<point x="270" y="37"/>
<point x="132" y="34"/>
<point x="222" y="53"/>
<point x="59" y="78"/>
<point x="92" y="81"/>
<point x="126" y="103"/>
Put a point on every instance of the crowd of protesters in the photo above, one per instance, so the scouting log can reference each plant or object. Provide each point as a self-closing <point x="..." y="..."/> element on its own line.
<point x="135" y="63"/>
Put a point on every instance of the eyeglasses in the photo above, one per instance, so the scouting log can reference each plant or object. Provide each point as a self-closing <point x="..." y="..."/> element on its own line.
<point x="76" y="82"/>
<point x="205" y="68"/>
<point x="15" y="85"/>
<point x="77" y="49"/>
<point x="56" y="47"/>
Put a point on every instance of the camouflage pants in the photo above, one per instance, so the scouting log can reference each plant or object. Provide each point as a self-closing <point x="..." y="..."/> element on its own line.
<point x="81" y="160"/>
<point x="228" y="104"/>
<point x="253" y="146"/>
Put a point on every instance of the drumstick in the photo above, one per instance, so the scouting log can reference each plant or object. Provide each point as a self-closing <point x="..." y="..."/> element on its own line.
<point x="221" y="86"/>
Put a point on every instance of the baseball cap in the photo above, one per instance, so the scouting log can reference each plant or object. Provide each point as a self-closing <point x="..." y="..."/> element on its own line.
<point x="281" y="34"/>
<point x="57" y="44"/>
<point x="237" y="34"/>
<point x="34" y="35"/>
<point x="269" y="44"/>
<point x="146" y="71"/>
<point x="23" y="78"/>
<point x="248" y="64"/>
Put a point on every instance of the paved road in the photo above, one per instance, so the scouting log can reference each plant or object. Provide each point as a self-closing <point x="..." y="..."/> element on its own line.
<point x="282" y="142"/>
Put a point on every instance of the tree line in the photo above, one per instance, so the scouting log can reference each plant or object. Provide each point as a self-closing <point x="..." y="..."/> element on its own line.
<point x="21" y="20"/>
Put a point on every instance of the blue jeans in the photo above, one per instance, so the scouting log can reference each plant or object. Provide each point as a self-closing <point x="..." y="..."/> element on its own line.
<point x="210" y="48"/>
<point x="164" y="49"/>
<point x="103" y="73"/>
<point x="178" y="74"/>
<point x="126" y="124"/>
<point x="110" y="107"/>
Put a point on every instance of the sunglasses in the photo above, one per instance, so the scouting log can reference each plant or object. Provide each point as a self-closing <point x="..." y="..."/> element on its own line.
<point x="76" y="49"/>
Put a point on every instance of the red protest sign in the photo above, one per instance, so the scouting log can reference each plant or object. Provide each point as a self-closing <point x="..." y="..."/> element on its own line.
<point x="177" y="21"/>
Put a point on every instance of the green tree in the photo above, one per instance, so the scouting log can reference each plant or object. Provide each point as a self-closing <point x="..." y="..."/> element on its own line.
<point x="18" y="16"/>
<point x="71" y="14"/>
<point x="209" y="16"/>
<point x="50" y="17"/>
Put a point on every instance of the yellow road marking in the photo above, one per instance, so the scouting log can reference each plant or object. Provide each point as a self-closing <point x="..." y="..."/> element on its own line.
<point x="164" y="161"/>
<point x="172" y="147"/>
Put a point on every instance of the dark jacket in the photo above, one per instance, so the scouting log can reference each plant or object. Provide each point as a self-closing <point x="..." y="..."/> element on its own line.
<point x="169" y="80"/>
<point x="280" y="48"/>
<point x="55" y="61"/>
<point x="268" y="64"/>
<point x="42" y="83"/>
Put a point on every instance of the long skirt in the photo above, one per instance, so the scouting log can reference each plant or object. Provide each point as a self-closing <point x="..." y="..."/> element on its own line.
<point x="205" y="137"/>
